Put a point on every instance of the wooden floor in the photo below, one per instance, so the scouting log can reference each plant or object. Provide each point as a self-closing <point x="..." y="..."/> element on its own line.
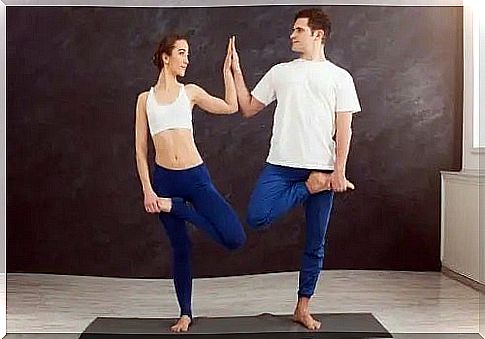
<point x="402" y="301"/>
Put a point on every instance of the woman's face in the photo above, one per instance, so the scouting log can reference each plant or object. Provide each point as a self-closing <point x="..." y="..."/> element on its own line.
<point x="178" y="61"/>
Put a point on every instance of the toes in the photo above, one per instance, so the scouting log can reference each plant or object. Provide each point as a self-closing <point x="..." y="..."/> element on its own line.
<point x="307" y="321"/>
<point x="312" y="324"/>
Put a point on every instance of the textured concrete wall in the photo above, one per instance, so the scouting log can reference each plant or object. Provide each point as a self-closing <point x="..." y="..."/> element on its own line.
<point x="74" y="203"/>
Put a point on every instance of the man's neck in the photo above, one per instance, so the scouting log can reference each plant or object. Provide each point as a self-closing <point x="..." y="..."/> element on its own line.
<point x="317" y="54"/>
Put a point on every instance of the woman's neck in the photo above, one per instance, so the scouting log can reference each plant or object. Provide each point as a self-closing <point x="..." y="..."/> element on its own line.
<point x="166" y="80"/>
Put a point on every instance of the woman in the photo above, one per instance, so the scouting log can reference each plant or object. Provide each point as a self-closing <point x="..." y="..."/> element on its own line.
<point x="180" y="174"/>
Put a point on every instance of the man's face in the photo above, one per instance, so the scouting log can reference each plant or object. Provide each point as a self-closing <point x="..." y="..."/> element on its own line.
<point x="302" y="39"/>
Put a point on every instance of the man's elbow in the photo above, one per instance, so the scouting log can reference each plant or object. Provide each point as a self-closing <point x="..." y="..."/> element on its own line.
<point x="344" y="132"/>
<point x="247" y="112"/>
<point x="344" y="128"/>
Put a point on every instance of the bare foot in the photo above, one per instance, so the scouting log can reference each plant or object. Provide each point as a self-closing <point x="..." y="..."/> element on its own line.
<point x="306" y="320"/>
<point x="182" y="325"/>
<point x="165" y="204"/>
<point x="318" y="182"/>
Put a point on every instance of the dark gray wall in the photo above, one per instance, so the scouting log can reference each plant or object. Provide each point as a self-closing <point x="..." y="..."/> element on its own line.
<point x="74" y="203"/>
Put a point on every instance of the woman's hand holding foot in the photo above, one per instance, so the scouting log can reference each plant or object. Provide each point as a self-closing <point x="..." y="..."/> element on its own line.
<point x="150" y="202"/>
<point x="155" y="204"/>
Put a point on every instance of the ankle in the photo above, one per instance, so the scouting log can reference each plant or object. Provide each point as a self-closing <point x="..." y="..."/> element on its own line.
<point x="303" y="305"/>
<point x="302" y="310"/>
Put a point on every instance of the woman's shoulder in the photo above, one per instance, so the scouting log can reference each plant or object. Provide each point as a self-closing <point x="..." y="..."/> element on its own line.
<point x="191" y="87"/>
<point x="192" y="90"/>
<point x="142" y="99"/>
<point x="143" y="95"/>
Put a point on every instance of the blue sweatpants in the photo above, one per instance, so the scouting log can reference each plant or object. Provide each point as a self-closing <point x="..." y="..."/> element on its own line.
<point x="279" y="189"/>
<point x="196" y="200"/>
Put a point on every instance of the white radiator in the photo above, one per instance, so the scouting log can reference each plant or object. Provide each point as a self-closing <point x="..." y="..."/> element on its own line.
<point x="462" y="231"/>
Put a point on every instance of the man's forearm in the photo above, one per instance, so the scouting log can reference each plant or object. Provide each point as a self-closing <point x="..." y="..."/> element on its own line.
<point x="342" y="148"/>
<point x="243" y="95"/>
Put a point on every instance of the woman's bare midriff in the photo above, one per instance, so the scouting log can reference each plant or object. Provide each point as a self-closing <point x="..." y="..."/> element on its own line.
<point x="175" y="149"/>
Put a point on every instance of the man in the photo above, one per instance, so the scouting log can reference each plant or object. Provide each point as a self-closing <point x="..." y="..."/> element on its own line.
<point x="315" y="102"/>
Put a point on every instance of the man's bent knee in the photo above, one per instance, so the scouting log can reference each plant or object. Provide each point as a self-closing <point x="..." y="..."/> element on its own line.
<point x="257" y="220"/>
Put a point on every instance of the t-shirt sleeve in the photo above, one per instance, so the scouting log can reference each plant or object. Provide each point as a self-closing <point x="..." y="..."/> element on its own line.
<point x="347" y="99"/>
<point x="265" y="90"/>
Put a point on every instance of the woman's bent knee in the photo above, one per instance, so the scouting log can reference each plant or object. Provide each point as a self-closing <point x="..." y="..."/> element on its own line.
<point x="237" y="242"/>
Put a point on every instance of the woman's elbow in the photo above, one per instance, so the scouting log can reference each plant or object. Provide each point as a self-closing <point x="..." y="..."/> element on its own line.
<point x="230" y="108"/>
<point x="140" y="153"/>
<point x="233" y="109"/>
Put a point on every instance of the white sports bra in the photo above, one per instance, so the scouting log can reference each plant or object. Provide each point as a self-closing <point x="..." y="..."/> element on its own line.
<point x="161" y="117"/>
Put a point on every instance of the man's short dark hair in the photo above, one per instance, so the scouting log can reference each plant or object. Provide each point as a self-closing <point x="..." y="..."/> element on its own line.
<point x="317" y="19"/>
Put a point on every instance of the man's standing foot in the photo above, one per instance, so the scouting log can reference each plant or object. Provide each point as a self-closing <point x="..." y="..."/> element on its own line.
<point x="302" y="315"/>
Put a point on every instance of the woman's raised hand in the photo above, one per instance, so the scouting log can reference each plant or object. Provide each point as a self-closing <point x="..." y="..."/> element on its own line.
<point x="228" y="59"/>
<point x="236" y="67"/>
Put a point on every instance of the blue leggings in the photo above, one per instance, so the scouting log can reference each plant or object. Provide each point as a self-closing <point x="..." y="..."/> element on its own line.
<point x="279" y="189"/>
<point x="207" y="210"/>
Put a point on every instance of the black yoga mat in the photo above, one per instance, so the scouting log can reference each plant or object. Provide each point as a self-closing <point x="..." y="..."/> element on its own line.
<point x="264" y="326"/>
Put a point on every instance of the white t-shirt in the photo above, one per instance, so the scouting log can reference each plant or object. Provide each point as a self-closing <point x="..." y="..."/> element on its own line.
<point x="309" y="94"/>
